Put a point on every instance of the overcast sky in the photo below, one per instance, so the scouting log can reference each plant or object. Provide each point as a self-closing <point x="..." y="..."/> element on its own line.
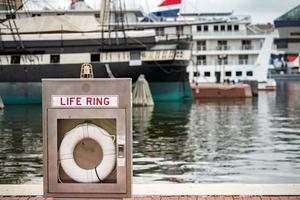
<point x="261" y="11"/>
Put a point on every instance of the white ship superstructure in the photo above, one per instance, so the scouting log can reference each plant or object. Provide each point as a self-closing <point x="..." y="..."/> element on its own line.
<point x="232" y="50"/>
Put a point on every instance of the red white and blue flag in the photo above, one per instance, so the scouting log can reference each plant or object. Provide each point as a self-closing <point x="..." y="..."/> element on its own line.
<point x="168" y="8"/>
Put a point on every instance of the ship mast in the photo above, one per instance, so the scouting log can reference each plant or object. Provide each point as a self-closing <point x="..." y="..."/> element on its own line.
<point x="18" y="4"/>
<point x="104" y="14"/>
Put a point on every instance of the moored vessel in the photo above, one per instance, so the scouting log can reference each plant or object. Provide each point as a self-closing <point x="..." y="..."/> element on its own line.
<point x="56" y="44"/>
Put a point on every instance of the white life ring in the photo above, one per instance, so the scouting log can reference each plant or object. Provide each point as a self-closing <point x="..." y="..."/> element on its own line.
<point x="68" y="144"/>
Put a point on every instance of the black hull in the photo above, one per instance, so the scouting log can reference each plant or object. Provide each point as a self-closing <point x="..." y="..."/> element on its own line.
<point x="154" y="72"/>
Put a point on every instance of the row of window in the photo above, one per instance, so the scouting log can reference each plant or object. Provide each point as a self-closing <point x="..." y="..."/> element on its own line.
<point x="161" y="31"/>
<point x="55" y="58"/>
<point x="223" y="45"/>
<point x="119" y="17"/>
<point x="216" y="28"/>
<point x="16" y="59"/>
<point x="243" y="60"/>
<point x="13" y="16"/>
<point x="227" y="74"/>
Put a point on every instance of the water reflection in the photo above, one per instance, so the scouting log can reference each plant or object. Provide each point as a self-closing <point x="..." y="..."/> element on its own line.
<point x="219" y="140"/>
<point x="157" y="155"/>
<point x="209" y="141"/>
<point x="21" y="144"/>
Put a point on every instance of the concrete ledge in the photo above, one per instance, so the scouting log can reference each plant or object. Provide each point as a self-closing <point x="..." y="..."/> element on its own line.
<point x="21" y="190"/>
<point x="217" y="189"/>
<point x="176" y="189"/>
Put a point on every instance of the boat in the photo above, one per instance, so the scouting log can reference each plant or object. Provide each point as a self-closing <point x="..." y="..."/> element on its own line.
<point x="235" y="51"/>
<point x="227" y="47"/>
<point x="54" y="44"/>
<point x="217" y="90"/>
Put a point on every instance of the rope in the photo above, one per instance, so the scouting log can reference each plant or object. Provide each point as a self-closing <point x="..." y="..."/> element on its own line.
<point x="98" y="175"/>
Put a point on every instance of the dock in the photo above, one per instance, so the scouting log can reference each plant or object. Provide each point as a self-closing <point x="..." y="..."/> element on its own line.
<point x="179" y="198"/>
<point x="177" y="192"/>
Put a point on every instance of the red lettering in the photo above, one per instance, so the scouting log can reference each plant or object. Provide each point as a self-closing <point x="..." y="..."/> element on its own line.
<point x="84" y="101"/>
<point x="78" y="101"/>
<point x="106" y="101"/>
<point x="72" y="99"/>
<point x="88" y="101"/>
<point x="61" y="102"/>
<point x="99" y="101"/>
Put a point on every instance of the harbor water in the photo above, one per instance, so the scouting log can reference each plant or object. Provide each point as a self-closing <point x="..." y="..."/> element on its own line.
<point x="207" y="141"/>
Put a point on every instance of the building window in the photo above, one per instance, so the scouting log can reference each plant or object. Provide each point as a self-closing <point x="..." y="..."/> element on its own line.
<point x="249" y="73"/>
<point x="15" y="59"/>
<point x="199" y="28"/>
<point x="205" y="28"/>
<point x="95" y="57"/>
<point x="36" y="15"/>
<point x="54" y="58"/>
<point x="282" y="44"/>
<point x="201" y="45"/>
<point x="222" y="45"/>
<point x="222" y="27"/>
<point x="216" y="28"/>
<point x="196" y="74"/>
<point x="238" y="73"/>
<point x="179" y="30"/>
<point x="119" y="17"/>
<point x="135" y="56"/>
<point x="222" y="60"/>
<point x="160" y="31"/>
<point x="236" y="27"/>
<point x="246" y="44"/>
<point x="228" y="73"/>
<point x="243" y="59"/>
<point x="201" y="60"/>
<point x="207" y="74"/>
<point x="229" y="27"/>
<point x="295" y="34"/>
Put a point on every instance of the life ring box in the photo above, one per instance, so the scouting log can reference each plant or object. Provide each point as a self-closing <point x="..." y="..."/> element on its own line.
<point x="87" y="147"/>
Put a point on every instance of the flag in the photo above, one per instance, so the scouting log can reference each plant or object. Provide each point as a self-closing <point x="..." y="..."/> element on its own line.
<point x="293" y="60"/>
<point x="73" y="2"/>
<point x="170" y="3"/>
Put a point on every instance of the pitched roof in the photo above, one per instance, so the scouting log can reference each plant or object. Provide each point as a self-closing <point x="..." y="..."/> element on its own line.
<point x="289" y="19"/>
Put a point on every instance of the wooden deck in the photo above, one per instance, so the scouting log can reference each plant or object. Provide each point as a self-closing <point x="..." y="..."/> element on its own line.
<point x="175" y="198"/>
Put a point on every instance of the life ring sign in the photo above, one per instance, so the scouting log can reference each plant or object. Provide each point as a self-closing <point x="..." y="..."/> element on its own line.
<point x="87" y="138"/>
<point x="102" y="138"/>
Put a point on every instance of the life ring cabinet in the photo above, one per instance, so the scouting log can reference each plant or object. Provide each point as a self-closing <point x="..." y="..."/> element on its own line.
<point x="87" y="138"/>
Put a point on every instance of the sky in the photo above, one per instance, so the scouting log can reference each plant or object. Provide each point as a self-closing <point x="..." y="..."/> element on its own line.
<point x="261" y="11"/>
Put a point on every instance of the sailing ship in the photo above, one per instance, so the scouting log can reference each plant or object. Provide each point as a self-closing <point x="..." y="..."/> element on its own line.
<point x="54" y="44"/>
